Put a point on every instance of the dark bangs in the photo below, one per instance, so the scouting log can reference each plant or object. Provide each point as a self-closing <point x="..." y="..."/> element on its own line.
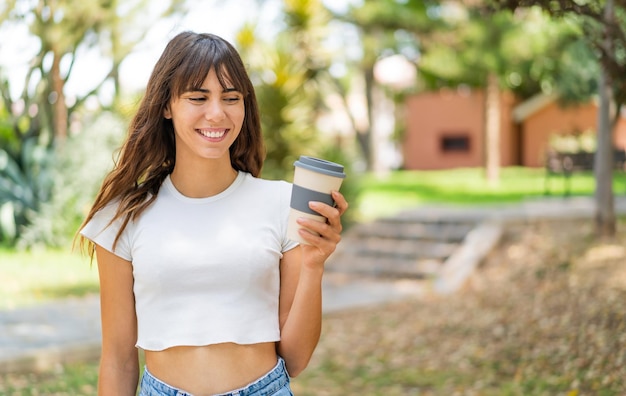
<point x="204" y="54"/>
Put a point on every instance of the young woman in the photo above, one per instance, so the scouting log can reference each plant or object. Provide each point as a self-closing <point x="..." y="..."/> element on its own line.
<point x="194" y="265"/>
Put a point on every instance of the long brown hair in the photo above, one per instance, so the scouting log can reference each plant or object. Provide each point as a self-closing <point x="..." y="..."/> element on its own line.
<point x="147" y="155"/>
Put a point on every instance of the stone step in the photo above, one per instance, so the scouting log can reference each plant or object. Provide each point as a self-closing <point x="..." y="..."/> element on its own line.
<point x="397" y="248"/>
<point x="442" y="215"/>
<point x="404" y="246"/>
<point x="450" y="232"/>
<point x="384" y="267"/>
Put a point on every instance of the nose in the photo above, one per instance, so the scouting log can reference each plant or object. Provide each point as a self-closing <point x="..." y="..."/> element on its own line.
<point x="214" y="110"/>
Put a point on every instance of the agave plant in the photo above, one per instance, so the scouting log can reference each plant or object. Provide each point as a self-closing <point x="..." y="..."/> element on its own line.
<point x="25" y="182"/>
<point x="76" y="174"/>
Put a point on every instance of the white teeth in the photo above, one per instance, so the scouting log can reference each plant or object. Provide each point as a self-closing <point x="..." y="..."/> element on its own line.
<point x="212" y="134"/>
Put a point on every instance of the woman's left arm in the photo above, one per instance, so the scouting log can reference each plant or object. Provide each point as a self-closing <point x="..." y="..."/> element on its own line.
<point x="301" y="271"/>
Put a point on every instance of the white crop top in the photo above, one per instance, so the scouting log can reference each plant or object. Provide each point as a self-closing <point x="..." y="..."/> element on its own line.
<point x="206" y="270"/>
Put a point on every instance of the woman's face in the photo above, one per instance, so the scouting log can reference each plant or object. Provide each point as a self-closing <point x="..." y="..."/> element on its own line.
<point x="207" y="120"/>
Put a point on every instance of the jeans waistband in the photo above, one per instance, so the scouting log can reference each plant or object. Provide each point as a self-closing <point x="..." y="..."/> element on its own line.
<point x="270" y="383"/>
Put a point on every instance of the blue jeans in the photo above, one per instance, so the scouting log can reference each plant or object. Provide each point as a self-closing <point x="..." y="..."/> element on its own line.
<point x="274" y="383"/>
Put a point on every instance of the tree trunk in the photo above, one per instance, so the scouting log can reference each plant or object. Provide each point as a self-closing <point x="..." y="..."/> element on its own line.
<point x="369" y="96"/>
<point x="603" y="166"/>
<point x="603" y="161"/>
<point x="492" y="129"/>
<point x="364" y="135"/>
<point x="59" y="117"/>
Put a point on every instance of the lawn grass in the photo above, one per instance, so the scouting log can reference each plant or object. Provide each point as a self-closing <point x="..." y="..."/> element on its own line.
<point x="77" y="379"/>
<point x="30" y="277"/>
<point x="388" y="193"/>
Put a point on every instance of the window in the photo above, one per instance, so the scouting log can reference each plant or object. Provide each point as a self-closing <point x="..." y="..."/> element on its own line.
<point x="455" y="143"/>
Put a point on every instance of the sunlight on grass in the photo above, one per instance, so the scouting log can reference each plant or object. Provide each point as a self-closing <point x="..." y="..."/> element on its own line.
<point x="390" y="193"/>
<point x="36" y="276"/>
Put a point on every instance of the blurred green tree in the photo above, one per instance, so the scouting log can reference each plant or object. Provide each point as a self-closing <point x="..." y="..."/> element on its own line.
<point x="603" y="25"/>
<point x="37" y="121"/>
<point x="384" y="28"/>
<point x="286" y="74"/>
<point x="76" y="174"/>
<point x="519" y="52"/>
<point x="292" y="83"/>
<point x="62" y="29"/>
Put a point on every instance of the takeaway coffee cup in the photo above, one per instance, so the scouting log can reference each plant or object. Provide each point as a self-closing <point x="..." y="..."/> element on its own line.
<point x="313" y="180"/>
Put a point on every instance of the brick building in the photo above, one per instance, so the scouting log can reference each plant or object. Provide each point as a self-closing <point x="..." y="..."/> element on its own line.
<point x="444" y="129"/>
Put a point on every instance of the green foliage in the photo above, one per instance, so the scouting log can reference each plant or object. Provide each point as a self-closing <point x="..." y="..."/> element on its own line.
<point x="80" y="167"/>
<point x="577" y="77"/>
<point x="289" y="79"/>
<point x="391" y="15"/>
<point x="35" y="122"/>
<point x="286" y="74"/>
<point x="287" y="112"/>
<point x="524" y="49"/>
<point x="6" y="129"/>
<point x="602" y="28"/>
<point x="384" y="28"/>
<point x="25" y="183"/>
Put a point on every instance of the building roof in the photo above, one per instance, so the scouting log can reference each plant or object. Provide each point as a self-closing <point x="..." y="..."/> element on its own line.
<point x="529" y="107"/>
<point x="532" y="105"/>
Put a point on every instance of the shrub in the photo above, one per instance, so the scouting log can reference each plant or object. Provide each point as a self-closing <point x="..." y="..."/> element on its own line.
<point x="25" y="182"/>
<point x="77" y="173"/>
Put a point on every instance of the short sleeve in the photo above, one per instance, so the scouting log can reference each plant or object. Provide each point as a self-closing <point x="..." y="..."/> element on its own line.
<point x="285" y="199"/>
<point x="99" y="231"/>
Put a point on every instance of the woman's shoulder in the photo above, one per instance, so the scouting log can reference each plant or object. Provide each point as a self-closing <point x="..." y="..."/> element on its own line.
<point x="266" y="184"/>
<point x="108" y="210"/>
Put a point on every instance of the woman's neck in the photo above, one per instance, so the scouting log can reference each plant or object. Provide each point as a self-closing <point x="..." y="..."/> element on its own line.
<point x="203" y="181"/>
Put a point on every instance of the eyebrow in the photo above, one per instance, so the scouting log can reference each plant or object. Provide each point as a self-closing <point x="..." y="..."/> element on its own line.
<point x="204" y="90"/>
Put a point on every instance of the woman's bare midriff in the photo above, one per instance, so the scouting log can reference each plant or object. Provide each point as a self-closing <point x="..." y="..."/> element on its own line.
<point x="211" y="369"/>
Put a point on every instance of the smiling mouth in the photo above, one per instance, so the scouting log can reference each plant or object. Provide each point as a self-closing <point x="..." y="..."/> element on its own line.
<point x="213" y="133"/>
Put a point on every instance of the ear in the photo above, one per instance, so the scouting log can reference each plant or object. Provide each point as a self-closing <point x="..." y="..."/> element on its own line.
<point x="167" y="112"/>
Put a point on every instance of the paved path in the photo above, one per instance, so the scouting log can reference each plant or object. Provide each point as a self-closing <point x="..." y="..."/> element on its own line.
<point x="39" y="337"/>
